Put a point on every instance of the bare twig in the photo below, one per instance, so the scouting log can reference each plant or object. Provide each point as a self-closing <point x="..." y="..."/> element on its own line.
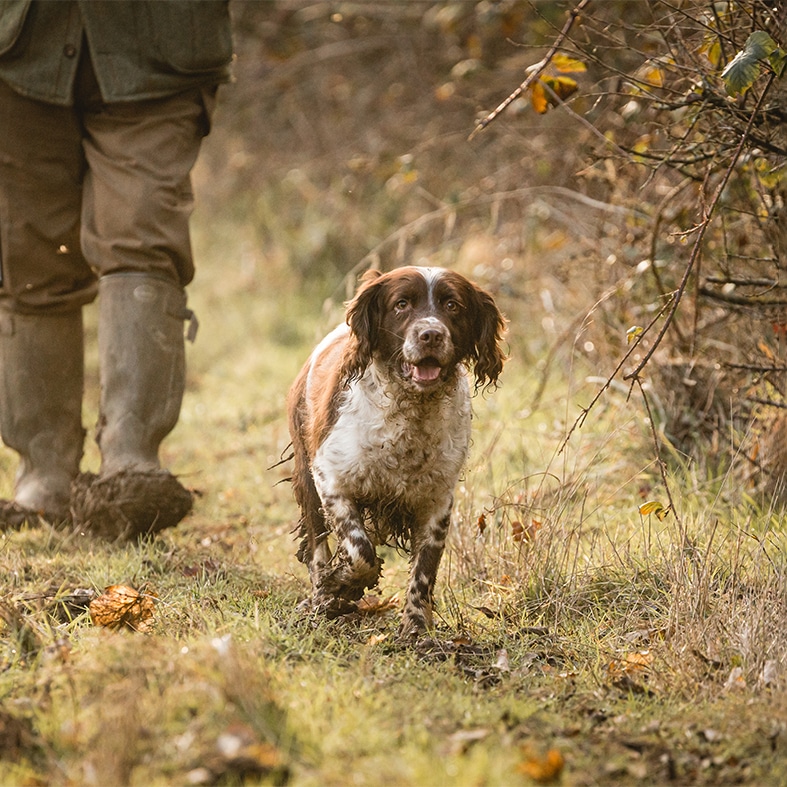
<point x="701" y="228"/>
<point x="586" y="410"/>
<point x="535" y="71"/>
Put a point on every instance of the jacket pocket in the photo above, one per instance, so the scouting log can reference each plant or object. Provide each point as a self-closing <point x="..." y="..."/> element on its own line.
<point x="12" y="19"/>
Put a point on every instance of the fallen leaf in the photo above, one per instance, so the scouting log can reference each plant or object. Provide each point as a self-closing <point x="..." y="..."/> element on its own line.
<point x="460" y="741"/>
<point x="630" y="672"/>
<point x="121" y="606"/>
<point x="770" y="673"/>
<point x="502" y="662"/>
<point x="544" y="768"/>
<point x="375" y="605"/>
<point x="636" y="663"/>
<point x="203" y="569"/>
<point x="736" y="680"/>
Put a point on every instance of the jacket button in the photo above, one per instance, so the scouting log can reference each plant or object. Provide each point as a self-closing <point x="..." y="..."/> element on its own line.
<point x="69" y="50"/>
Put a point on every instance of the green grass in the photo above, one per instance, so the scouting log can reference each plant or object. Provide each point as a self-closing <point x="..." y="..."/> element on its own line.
<point x="607" y="637"/>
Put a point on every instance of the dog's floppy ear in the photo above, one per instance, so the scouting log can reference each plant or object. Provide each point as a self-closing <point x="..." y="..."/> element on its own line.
<point x="364" y="316"/>
<point x="488" y="328"/>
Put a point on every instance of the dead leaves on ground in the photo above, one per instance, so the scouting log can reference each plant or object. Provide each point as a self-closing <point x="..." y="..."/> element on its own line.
<point x="377" y="605"/>
<point x="542" y="767"/>
<point x="123" y="607"/>
<point x="631" y="672"/>
<point x="239" y="755"/>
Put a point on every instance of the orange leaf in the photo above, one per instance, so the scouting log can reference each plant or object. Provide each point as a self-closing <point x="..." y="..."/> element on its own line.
<point x="636" y="663"/>
<point x="538" y="97"/>
<point x="374" y="605"/>
<point x="542" y="768"/>
<point x="121" y="606"/>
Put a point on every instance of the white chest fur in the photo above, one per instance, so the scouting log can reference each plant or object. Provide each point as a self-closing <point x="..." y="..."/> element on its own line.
<point x="408" y="449"/>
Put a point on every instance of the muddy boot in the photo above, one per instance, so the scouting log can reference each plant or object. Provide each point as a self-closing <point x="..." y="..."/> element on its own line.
<point x="41" y="382"/>
<point x="143" y="373"/>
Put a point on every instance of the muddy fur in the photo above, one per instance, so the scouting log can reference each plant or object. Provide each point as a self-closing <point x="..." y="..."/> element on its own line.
<point x="379" y="418"/>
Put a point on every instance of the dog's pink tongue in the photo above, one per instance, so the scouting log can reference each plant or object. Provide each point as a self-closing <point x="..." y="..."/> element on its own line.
<point x="426" y="373"/>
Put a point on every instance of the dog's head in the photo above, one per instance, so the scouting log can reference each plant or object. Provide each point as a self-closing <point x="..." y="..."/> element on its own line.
<point x="420" y="323"/>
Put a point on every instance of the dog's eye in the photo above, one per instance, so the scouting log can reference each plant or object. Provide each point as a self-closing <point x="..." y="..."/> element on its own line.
<point x="452" y="306"/>
<point x="401" y="304"/>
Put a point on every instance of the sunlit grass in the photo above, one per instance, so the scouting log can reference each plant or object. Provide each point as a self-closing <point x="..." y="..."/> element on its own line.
<point x="552" y="579"/>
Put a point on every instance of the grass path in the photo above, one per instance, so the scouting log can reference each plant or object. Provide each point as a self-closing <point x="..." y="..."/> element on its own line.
<point x="577" y="643"/>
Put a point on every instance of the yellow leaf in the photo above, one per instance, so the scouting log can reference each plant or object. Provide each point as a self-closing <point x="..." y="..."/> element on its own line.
<point x="637" y="663"/>
<point x="633" y="333"/>
<point x="568" y="65"/>
<point x="712" y="50"/>
<point x="654" y="76"/>
<point x="654" y="507"/>
<point x="563" y="87"/>
<point x="642" y="144"/>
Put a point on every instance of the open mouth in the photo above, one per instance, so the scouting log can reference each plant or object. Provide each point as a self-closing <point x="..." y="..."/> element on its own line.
<point x="424" y="373"/>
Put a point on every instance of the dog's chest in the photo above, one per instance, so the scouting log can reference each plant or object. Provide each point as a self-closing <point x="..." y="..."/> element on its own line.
<point x="399" y="450"/>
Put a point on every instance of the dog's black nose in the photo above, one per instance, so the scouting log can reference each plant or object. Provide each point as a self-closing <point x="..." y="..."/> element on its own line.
<point x="431" y="337"/>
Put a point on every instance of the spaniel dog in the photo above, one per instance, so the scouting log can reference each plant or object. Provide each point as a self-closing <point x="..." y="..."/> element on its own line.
<point x="380" y="425"/>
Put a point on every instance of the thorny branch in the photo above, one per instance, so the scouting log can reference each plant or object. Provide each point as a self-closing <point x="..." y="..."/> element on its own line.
<point x="701" y="229"/>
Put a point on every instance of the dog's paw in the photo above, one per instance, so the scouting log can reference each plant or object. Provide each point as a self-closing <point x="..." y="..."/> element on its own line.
<point x="413" y="626"/>
<point x="332" y="607"/>
<point x="348" y="576"/>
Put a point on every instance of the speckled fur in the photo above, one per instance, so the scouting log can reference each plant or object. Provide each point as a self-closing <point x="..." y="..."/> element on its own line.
<point x="379" y="441"/>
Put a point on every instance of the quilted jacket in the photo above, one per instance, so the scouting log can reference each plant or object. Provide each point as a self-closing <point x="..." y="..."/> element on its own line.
<point x="140" y="48"/>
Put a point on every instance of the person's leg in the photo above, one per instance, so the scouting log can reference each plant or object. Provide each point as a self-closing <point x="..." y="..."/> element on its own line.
<point x="138" y="201"/>
<point x="44" y="283"/>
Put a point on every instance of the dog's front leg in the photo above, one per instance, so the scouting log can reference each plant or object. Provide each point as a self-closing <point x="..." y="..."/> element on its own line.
<point x="427" y="548"/>
<point x="355" y="565"/>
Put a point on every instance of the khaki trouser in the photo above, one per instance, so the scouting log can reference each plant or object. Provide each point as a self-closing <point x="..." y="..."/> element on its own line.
<point x="94" y="189"/>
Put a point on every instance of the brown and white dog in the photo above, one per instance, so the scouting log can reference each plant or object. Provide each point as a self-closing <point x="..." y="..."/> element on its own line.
<point x="380" y="426"/>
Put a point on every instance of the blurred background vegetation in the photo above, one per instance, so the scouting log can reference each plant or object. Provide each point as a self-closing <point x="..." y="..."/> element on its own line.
<point x="344" y="143"/>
